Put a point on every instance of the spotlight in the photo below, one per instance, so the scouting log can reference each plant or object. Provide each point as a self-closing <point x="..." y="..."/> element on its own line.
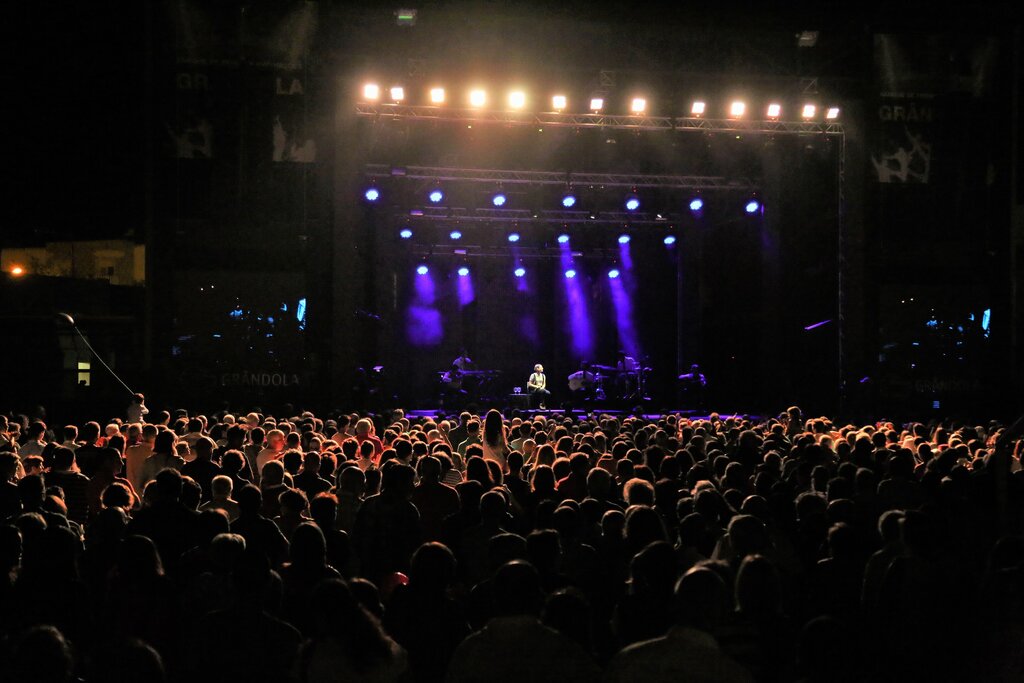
<point x="697" y="109"/>
<point x="463" y="271"/>
<point x="372" y="194"/>
<point x="455" y="235"/>
<point x="638" y="105"/>
<point x="499" y="199"/>
<point x="736" y="109"/>
<point x="513" y="237"/>
<point x="570" y="274"/>
<point x="669" y="240"/>
<point x="613" y="273"/>
<point x="436" y="196"/>
<point x="696" y="204"/>
<point x="371" y="91"/>
<point x="774" y="110"/>
<point x="17" y="271"/>
<point x="632" y="203"/>
<point x="623" y="239"/>
<point x="422" y="269"/>
<point x="437" y="95"/>
<point x="519" y="272"/>
<point x="398" y="93"/>
<point x="477" y="98"/>
<point x="752" y="206"/>
<point x="809" y="111"/>
<point x="832" y="113"/>
<point x="405" y="233"/>
<point x="563" y="239"/>
<point x="517" y="99"/>
<point x="569" y="200"/>
<point x="559" y="102"/>
<point x="596" y="104"/>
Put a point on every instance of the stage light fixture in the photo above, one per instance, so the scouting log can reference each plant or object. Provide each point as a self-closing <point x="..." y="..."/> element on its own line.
<point x="596" y="104"/>
<point x="405" y="233"/>
<point x="397" y="93"/>
<point x="17" y="271"/>
<point x="563" y="239"/>
<point x="669" y="240"/>
<point x="696" y="204"/>
<point x="519" y="272"/>
<point x="463" y="271"/>
<point x="371" y="91"/>
<point x="569" y="200"/>
<point x="613" y="273"/>
<point x="774" y="110"/>
<point x="517" y="99"/>
<point x="437" y="95"/>
<point x="632" y="203"/>
<point x="809" y="111"/>
<point x="455" y="234"/>
<point x="623" y="239"/>
<point x="559" y="102"/>
<point x="436" y="196"/>
<point x="372" y="194"/>
<point x="752" y="206"/>
<point x="513" y="237"/>
<point x="570" y="274"/>
<point x="832" y="113"/>
<point x="499" y="199"/>
<point x="638" y="105"/>
<point x="477" y="98"/>
<point x="422" y="269"/>
<point x="737" y="109"/>
<point x="698" y="108"/>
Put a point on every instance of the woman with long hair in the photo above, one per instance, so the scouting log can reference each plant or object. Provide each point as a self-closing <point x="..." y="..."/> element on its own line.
<point x="494" y="443"/>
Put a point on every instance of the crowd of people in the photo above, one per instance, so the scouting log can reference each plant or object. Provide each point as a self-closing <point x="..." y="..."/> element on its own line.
<point x="175" y="546"/>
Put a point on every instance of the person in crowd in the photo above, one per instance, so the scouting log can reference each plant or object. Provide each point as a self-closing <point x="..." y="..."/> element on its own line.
<point x="221" y="487"/>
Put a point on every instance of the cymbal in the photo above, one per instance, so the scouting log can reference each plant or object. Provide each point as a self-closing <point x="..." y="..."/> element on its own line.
<point x="606" y="368"/>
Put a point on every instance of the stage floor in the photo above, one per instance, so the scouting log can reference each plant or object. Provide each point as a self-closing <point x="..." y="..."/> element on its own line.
<point x="577" y="413"/>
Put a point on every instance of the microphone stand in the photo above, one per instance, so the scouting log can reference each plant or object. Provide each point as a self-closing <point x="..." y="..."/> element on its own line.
<point x="71" y="321"/>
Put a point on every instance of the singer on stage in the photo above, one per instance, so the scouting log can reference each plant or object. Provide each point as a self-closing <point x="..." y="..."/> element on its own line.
<point x="537" y="386"/>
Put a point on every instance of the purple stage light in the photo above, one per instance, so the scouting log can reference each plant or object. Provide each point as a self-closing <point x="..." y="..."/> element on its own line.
<point x="455" y="235"/>
<point x="436" y="196"/>
<point x="372" y="194"/>
<point x="623" y="239"/>
<point x="613" y="273"/>
<point x="519" y="272"/>
<point x="499" y="199"/>
<point x="405" y="233"/>
<point x="752" y="206"/>
<point x="563" y="239"/>
<point x="463" y="271"/>
<point x="570" y="274"/>
<point x="569" y="200"/>
<point x="669" y="240"/>
<point x="632" y="203"/>
<point x="513" y="237"/>
<point x="422" y="269"/>
<point x="696" y="204"/>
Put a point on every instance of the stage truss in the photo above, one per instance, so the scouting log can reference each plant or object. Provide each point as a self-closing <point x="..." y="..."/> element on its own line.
<point x="626" y="122"/>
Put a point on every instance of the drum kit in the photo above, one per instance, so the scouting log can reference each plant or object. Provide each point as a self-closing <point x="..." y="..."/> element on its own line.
<point x="626" y="381"/>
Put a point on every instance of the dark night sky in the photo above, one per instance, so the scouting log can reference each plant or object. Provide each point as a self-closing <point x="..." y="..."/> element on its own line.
<point x="78" y="90"/>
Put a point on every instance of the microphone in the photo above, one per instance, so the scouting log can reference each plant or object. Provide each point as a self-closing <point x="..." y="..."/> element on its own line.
<point x="66" y="317"/>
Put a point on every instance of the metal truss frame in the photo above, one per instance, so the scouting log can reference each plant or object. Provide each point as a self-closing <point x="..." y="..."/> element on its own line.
<point x="638" y="122"/>
<point x="456" y="215"/>
<point x="514" y="177"/>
